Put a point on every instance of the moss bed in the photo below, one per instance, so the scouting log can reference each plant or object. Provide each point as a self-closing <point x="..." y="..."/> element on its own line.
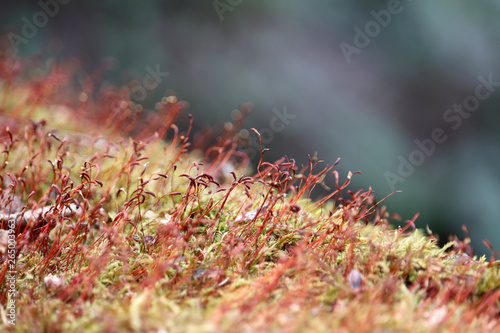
<point x="114" y="219"/>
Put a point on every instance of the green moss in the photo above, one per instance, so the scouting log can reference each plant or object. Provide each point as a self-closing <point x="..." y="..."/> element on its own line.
<point x="162" y="242"/>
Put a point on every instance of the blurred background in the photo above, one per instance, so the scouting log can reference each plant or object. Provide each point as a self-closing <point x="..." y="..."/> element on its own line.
<point x="357" y="80"/>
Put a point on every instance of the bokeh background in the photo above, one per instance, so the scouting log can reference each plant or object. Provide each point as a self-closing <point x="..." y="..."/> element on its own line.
<point x="365" y="99"/>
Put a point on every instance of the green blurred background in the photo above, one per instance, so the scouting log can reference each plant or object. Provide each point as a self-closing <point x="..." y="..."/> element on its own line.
<point x="411" y="62"/>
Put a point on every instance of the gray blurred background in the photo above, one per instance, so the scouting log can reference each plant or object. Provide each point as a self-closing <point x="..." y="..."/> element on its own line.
<point x="359" y="80"/>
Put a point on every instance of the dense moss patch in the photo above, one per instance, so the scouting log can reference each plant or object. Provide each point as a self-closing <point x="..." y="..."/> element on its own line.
<point x="119" y="230"/>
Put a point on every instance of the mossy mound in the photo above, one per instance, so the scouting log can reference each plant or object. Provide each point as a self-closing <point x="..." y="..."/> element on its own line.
<point x="118" y="230"/>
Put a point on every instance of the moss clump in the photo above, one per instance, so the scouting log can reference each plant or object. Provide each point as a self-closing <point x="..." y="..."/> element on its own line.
<point x="117" y="230"/>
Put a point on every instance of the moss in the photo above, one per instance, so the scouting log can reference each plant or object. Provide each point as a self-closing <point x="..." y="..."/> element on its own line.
<point x="161" y="240"/>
